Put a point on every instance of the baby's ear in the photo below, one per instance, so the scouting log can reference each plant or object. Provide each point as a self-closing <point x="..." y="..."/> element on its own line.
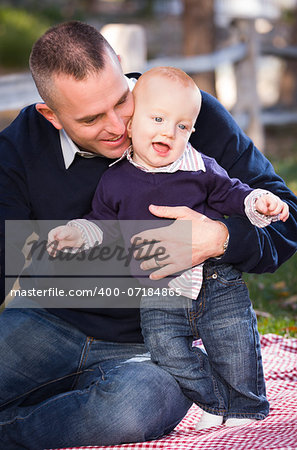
<point x="129" y="128"/>
<point x="193" y="130"/>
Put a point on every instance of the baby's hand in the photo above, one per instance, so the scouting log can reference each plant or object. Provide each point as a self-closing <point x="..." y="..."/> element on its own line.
<point x="271" y="205"/>
<point x="63" y="236"/>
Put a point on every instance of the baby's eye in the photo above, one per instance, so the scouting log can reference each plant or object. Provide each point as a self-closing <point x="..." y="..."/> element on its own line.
<point x="182" y="126"/>
<point x="158" y="119"/>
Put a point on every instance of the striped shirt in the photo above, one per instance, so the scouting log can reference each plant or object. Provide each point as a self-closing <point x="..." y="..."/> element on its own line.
<point x="189" y="282"/>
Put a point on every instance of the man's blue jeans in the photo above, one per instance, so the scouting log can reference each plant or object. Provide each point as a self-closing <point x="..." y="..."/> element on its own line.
<point x="227" y="380"/>
<point x="59" y="388"/>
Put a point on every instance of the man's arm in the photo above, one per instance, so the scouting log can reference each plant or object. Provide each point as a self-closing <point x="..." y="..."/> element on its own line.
<point x="250" y="249"/>
<point x="14" y="205"/>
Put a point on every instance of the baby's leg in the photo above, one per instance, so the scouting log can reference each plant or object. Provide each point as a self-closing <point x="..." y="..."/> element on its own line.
<point x="229" y="332"/>
<point x="168" y="336"/>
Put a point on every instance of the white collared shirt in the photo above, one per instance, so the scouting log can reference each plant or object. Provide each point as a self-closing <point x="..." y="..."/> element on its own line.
<point x="70" y="149"/>
<point x="189" y="161"/>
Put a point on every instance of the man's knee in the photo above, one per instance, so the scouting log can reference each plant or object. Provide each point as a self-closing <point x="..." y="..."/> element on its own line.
<point x="149" y="402"/>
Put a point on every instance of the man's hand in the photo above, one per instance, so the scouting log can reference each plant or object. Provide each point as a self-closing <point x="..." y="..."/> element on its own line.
<point x="63" y="236"/>
<point x="182" y="251"/>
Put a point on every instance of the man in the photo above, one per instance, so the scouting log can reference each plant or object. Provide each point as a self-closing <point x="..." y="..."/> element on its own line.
<point x="72" y="377"/>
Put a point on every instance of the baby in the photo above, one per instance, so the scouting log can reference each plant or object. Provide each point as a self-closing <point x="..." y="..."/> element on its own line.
<point x="211" y="301"/>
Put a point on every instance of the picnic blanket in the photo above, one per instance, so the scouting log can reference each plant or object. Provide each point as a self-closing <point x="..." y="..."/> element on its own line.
<point x="277" y="432"/>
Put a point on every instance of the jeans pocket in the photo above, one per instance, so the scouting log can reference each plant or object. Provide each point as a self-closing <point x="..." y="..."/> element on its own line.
<point x="226" y="275"/>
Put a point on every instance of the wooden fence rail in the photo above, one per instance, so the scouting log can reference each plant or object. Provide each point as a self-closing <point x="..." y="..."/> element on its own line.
<point x="18" y="90"/>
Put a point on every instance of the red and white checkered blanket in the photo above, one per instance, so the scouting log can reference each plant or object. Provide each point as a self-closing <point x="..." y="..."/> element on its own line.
<point x="277" y="432"/>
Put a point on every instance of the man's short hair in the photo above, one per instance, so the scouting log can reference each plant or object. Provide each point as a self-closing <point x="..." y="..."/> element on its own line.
<point x="71" y="48"/>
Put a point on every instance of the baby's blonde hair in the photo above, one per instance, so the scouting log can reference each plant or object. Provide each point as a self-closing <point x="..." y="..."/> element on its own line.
<point x="172" y="73"/>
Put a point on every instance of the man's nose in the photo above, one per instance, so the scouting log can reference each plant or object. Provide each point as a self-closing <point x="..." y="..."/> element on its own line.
<point x="114" y="123"/>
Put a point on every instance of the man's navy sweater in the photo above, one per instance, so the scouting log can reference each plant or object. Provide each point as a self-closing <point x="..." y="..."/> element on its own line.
<point x="35" y="185"/>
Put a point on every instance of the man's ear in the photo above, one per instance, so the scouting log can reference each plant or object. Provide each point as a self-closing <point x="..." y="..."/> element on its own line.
<point x="49" y="114"/>
<point x="129" y="128"/>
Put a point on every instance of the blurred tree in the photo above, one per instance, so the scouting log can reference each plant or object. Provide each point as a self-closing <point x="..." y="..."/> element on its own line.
<point x="199" y="36"/>
<point x="288" y="86"/>
<point x="89" y="6"/>
<point x="19" y="29"/>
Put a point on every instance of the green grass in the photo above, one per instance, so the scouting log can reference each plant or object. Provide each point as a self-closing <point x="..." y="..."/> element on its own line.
<point x="274" y="296"/>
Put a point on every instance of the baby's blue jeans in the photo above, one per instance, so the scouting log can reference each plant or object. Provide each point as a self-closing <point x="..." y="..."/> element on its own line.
<point x="228" y="378"/>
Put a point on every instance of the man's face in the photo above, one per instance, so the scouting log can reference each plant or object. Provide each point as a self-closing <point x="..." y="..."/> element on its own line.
<point x="165" y="113"/>
<point x="94" y="112"/>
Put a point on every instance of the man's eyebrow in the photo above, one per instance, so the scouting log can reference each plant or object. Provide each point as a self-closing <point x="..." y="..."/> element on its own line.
<point x="94" y="116"/>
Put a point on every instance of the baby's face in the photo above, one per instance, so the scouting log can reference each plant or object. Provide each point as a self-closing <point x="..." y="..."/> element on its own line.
<point x="163" y="120"/>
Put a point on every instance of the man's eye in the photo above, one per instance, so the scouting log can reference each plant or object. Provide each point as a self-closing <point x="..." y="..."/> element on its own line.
<point x="90" y="121"/>
<point x="158" y="119"/>
<point x="123" y="100"/>
<point x="182" y="126"/>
